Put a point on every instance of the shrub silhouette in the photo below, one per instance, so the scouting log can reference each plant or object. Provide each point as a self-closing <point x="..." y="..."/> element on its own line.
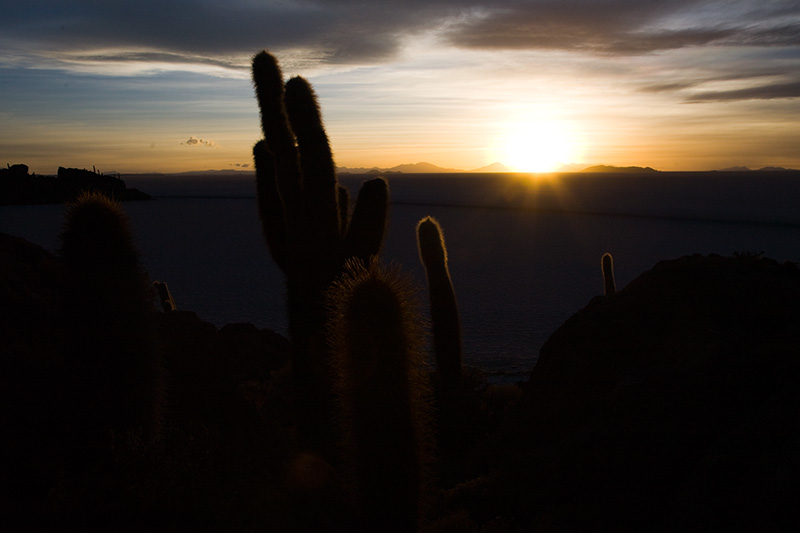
<point x="303" y="213"/>
<point x="110" y="352"/>
<point x="377" y="338"/>
<point x="444" y="309"/>
<point x="609" y="285"/>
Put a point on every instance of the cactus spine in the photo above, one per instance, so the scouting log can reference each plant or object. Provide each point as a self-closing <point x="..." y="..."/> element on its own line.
<point x="609" y="285"/>
<point x="109" y="312"/>
<point x="303" y="213"/>
<point x="443" y="307"/>
<point x="377" y="340"/>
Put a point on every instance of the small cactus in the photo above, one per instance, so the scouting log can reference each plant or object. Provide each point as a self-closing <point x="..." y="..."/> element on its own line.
<point x="111" y="353"/>
<point x="377" y="339"/>
<point x="608" y="274"/>
<point x="165" y="297"/>
<point x="444" y="309"/>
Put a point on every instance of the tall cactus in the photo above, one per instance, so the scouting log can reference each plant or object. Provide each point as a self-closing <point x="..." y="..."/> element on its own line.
<point x="303" y="213"/>
<point x="377" y="339"/>
<point x="111" y="351"/>
<point x="609" y="286"/>
<point x="444" y="309"/>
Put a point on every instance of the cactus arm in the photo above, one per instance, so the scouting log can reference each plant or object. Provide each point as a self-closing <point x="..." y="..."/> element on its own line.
<point x="368" y="223"/>
<point x="316" y="159"/>
<point x="320" y="198"/>
<point x="278" y="137"/>
<point x="270" y="206"/>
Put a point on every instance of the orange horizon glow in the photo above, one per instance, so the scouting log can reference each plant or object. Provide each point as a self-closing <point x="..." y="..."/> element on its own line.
<point x="525" y="136"/>
<point x="456" y="86"/>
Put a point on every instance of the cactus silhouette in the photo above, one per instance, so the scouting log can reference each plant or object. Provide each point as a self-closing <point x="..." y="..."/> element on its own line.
<point x="110" y="352"/>
<point x="443" y="307"/>
<point x="304" y="219"/>
<point x="376" y="334"/>
<point x="165" y="297"/>
<point x="608" y="274"/>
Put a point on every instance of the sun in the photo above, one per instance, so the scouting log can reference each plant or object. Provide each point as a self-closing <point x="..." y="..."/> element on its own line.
<point x="538" y="145"/>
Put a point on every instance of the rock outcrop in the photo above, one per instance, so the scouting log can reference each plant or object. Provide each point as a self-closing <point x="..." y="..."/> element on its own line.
<point x="17" y="187"/>
<point x="670" y="404"/>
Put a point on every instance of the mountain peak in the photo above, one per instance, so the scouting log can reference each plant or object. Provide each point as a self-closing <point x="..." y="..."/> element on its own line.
<point x="494" y="167"/>
<point x="608" y="168"/>
<point x="421" y="167"/>
<point x="735" y="169"/>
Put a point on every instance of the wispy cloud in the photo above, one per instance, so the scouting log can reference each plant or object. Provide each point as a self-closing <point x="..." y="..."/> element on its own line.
<point x="763" y="92"/>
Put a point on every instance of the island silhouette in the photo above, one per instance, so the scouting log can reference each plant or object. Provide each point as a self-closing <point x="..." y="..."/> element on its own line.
<point x="18" y="187"/>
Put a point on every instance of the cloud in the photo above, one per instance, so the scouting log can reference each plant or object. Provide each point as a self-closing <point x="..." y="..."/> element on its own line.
<point x="500" y="35"/>
<point x="764" y="92"/>
<point x="196" y="141"/>
<point x="349" y="31"/>
<point x="667" y="87"/>
<point x="626" y="27"/>
<point x="129" y="37"/>
<point x="225" y="33"/>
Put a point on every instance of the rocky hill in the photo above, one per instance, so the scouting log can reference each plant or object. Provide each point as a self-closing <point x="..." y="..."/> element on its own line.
<point x="671" y="405"/>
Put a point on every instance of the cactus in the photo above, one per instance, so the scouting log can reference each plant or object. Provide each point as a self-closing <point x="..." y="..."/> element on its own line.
<point x="165" y="297"/>
<point x="444" y="309"/>
<point x="111" y="353"/>
<point x="608" y="274"/>
<point x="377" y="338"/>
<point x="303" y="213"/>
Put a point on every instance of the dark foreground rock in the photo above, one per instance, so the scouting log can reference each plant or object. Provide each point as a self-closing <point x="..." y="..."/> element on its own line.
<point x="671" y="405"/>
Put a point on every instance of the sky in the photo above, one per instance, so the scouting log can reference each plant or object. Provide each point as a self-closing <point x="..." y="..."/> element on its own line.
<point x="164" y="86"/>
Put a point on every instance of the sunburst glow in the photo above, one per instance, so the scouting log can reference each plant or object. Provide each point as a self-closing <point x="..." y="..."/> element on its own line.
<point x="538" y="145"/>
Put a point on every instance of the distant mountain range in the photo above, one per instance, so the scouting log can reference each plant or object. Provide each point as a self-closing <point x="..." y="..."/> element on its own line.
<point x="762" y="169"/>
<point x="420" y="168"/>
<point x="429" y="168"/>
<point x="607" y="168"/>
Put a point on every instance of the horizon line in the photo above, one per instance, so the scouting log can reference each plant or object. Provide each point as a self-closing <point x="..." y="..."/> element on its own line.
<point x="425" y="167"/>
